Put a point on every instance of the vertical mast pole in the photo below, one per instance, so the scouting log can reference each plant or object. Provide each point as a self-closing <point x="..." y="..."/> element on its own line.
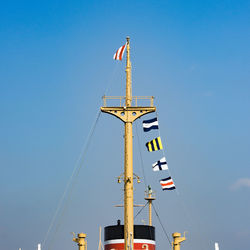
<point x="149" y="197"/>
<point x="150" y="210"/>
<point x="128" y="164"/>
<point x="128" y="77"/>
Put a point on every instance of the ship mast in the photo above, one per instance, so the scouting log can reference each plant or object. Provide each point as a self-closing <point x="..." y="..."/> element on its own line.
<point x="128" y="162"/>
<point x="128" y="111"/>
<point x="128" y="114"/>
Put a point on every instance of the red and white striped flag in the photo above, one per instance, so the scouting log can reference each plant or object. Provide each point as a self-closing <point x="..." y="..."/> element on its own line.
<point x="167" y="184"/>
<point x="119" y="53"/>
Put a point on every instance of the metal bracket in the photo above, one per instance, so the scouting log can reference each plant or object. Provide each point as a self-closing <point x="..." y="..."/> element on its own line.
<point x="128" y="114"/>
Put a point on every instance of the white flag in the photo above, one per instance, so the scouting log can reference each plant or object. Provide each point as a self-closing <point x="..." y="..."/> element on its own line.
<point x="160" y="165"/>
<point x="150" y="124"/>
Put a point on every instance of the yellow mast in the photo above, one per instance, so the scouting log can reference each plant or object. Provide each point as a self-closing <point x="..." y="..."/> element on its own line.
<point x="128" y="114"/>
<point x="128" y="77"/>
<point x="128" y="162"/>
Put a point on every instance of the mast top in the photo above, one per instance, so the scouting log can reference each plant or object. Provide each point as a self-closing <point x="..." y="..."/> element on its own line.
<point x="128" y="77"/>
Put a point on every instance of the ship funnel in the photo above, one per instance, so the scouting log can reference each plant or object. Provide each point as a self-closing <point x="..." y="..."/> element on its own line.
<point x="216" y="246"/>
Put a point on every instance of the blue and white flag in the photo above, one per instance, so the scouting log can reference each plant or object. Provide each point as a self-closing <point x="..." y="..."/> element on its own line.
<point x="150" y="124"/>
<point x="160" y="165"/>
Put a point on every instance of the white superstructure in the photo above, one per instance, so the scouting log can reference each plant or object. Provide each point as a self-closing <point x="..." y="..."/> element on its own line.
<point x="216" y="246"/>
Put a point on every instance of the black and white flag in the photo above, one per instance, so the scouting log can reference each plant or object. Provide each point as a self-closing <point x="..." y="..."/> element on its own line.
<point x="150" y="124"/>
<point x="160" y="165"/>
<point x="167" y="184"/>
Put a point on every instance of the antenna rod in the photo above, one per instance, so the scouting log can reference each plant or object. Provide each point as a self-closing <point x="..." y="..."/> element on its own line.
<point x="128" y="77"/>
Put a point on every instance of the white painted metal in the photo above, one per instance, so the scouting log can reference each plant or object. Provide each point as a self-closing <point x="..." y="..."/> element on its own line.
<point x="216" y="246"/>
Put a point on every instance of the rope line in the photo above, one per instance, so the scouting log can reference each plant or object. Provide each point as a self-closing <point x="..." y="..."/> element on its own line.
<point x="141" y="159"/>
<point x="110" y="81"/>
<point x="140" y="210"/>
<point x="184" y="206"/>
<point x="158" y="217"/>
<point x="162" y="225"/>
<point x="164" y="154"/>
<point x="74" y="174"/>
<point x="142" y="166"/>
<point x="186" y="211"/>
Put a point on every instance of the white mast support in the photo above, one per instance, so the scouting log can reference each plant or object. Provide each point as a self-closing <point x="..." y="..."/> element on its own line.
<point x="216" y="246"/>
<point x="100" y="246"/>
<point x="39" y="247"/>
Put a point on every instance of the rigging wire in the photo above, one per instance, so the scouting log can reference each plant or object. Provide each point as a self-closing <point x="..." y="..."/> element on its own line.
<point x="142" y="165"/>
<point x="141" y="159"/>
<point x="110" y="81"/>
<point x="186" y="211"/>
<point x="163" y="153"/>
<point x="108" y="86"/>
<point x="162" y="225"/>
<point x="140" y="210"/>
<point x="74" y="174"/>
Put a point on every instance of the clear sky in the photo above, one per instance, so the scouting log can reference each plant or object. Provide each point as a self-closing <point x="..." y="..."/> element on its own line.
<point x="56" y="62"/>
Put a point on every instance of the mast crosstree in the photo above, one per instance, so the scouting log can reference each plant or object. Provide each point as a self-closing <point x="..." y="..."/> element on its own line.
<point x="128" y="114"/>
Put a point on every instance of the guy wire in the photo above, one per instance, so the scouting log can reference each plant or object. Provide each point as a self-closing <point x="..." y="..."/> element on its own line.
<point x="74" y="174"/>
<point x="140" y="210"/>
<point x="142" y="164"/>
<point x="164" y="155"/>
<point x="162" y="225"/>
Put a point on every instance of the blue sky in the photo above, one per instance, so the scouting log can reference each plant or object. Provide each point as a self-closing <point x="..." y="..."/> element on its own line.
<point x="56" y="63"/>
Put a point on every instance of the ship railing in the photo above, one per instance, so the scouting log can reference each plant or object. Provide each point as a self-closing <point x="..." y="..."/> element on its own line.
<point x="142" y="100"/>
